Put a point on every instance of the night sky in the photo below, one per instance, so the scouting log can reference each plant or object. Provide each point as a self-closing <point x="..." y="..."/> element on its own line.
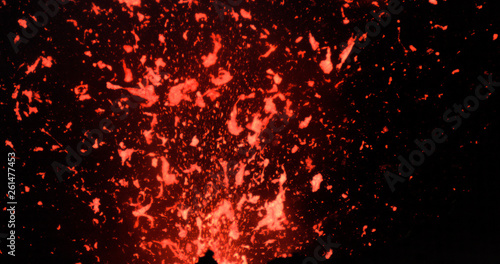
<point x="153" y="131"/>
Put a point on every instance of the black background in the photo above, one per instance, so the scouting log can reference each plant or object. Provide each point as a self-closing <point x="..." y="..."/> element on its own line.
<point x="447" y="213"/>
